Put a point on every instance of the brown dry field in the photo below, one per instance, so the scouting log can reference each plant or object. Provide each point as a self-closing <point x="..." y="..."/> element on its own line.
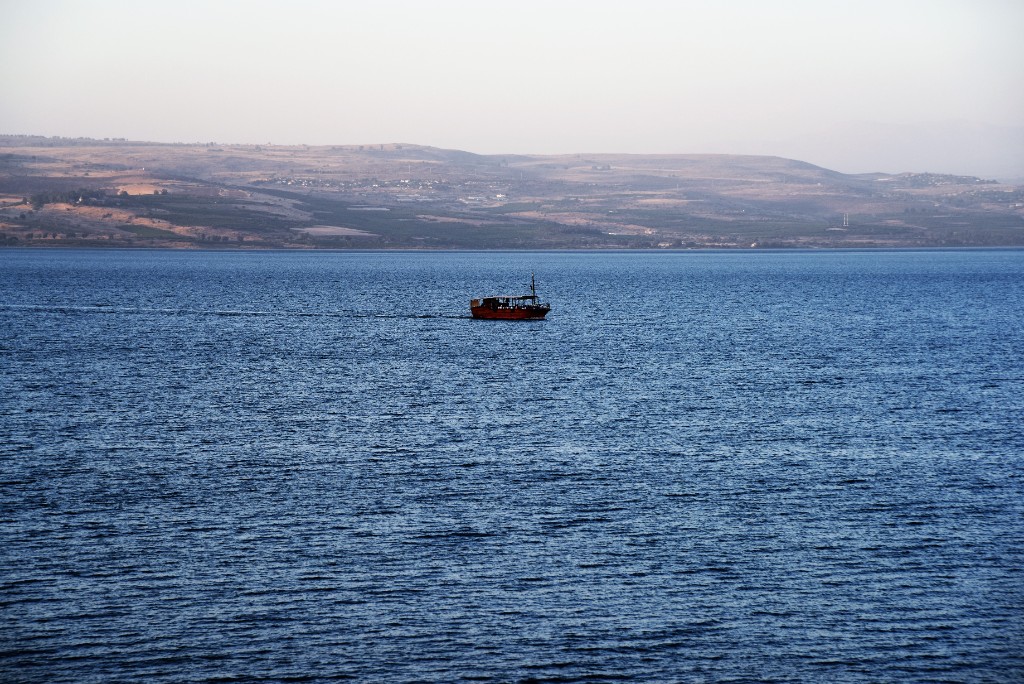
<point x="335" y="231"/>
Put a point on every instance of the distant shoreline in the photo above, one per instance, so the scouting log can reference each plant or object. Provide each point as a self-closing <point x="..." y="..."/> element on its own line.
<point x="125" y="195"/>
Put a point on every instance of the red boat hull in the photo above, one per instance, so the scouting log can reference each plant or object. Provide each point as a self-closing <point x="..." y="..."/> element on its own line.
<point x="523" y="313"/>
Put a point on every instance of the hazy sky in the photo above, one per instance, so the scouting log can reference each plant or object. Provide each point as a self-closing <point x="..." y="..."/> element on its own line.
<point x="841" y="84"/>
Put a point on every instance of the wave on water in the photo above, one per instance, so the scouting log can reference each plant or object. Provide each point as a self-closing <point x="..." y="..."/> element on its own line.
<point x="736" y="467"/>
<point x="111" y="309"/>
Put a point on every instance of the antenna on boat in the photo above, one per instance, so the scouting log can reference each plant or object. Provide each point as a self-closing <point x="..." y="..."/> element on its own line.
<point x="533" y="286"/>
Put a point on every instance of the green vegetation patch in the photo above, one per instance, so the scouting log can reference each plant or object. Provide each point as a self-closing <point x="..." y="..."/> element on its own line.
<point x="150" y="232"/>
<point x="192" y="210"/>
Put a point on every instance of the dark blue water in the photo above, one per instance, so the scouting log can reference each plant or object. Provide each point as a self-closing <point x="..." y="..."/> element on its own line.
<point x="792" y="467"/>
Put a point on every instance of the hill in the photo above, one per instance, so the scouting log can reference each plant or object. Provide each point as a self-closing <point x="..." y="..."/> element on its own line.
<point x="58" y="191"/>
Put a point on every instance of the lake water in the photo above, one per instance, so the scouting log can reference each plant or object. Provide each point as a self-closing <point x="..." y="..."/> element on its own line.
<point x="706" y="466"/>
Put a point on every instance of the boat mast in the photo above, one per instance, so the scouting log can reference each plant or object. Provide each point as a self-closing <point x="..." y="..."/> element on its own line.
<point x="533" y="286"/>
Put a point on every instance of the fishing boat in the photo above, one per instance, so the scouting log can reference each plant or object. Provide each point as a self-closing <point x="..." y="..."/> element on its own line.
<point x="511" y="307"/>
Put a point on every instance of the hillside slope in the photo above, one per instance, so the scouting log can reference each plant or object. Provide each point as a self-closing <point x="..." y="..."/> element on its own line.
<point x="119" y="193"/>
